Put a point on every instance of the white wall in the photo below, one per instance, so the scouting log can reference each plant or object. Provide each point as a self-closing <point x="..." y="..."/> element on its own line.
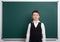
<point x="30" y="0"/>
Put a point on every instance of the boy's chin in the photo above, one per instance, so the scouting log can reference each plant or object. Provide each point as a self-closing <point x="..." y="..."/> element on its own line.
<point x="36" y="19"/>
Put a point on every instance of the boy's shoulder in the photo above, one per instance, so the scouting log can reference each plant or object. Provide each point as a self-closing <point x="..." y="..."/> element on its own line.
<point x="42" y="24"/>
<point x="39" y="22"/>
<point x="29" y="24"/>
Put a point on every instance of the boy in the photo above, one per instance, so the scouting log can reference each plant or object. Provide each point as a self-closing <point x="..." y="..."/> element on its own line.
<point x="36" y="29"/>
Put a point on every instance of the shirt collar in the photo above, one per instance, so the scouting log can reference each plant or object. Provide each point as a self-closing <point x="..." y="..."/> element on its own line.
<point x="37" y="21"/>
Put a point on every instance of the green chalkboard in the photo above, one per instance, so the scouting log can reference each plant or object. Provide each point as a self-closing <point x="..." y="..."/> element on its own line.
<point x="17" y="15"/>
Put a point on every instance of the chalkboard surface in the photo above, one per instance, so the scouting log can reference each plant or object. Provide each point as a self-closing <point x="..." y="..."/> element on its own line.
<point x="17" y="15"/>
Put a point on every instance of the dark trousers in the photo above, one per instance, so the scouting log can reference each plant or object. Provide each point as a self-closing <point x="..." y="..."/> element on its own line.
<point x="35" y="41"/>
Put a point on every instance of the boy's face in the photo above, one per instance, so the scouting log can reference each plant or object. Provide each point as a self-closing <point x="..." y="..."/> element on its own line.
<point x="35" y="16"/>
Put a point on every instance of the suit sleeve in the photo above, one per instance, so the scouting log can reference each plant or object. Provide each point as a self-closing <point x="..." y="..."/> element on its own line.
<point x="28" y="33"/>
<point x="43" y="32"/>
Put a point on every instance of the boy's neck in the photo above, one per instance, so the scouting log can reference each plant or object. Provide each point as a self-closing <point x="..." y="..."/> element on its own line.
<point x="36" y="21"/>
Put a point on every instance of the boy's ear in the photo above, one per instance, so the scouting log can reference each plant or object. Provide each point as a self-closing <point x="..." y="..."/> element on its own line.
<point x="39" y="16"/>
<point x="32" y="16"/>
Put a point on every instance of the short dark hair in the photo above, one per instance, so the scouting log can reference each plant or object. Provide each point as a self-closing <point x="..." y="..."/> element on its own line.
<point x="35" y="11"/>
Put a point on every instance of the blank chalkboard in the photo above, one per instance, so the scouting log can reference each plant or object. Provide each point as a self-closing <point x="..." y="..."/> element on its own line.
<point x="17" y="15"/>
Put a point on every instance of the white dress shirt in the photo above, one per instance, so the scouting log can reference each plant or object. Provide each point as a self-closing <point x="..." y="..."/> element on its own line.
<point x="35" y="24"/>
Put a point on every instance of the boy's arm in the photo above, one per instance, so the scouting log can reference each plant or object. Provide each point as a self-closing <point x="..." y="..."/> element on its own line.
<point x="28" y="33"/>
<point x="43" y="32"/>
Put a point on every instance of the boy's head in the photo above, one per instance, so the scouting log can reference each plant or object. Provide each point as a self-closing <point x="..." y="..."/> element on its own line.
<point x="35" y="15"/>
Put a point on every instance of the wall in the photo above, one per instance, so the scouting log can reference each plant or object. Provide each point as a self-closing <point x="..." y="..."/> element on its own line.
<point x="23" y="41"/>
